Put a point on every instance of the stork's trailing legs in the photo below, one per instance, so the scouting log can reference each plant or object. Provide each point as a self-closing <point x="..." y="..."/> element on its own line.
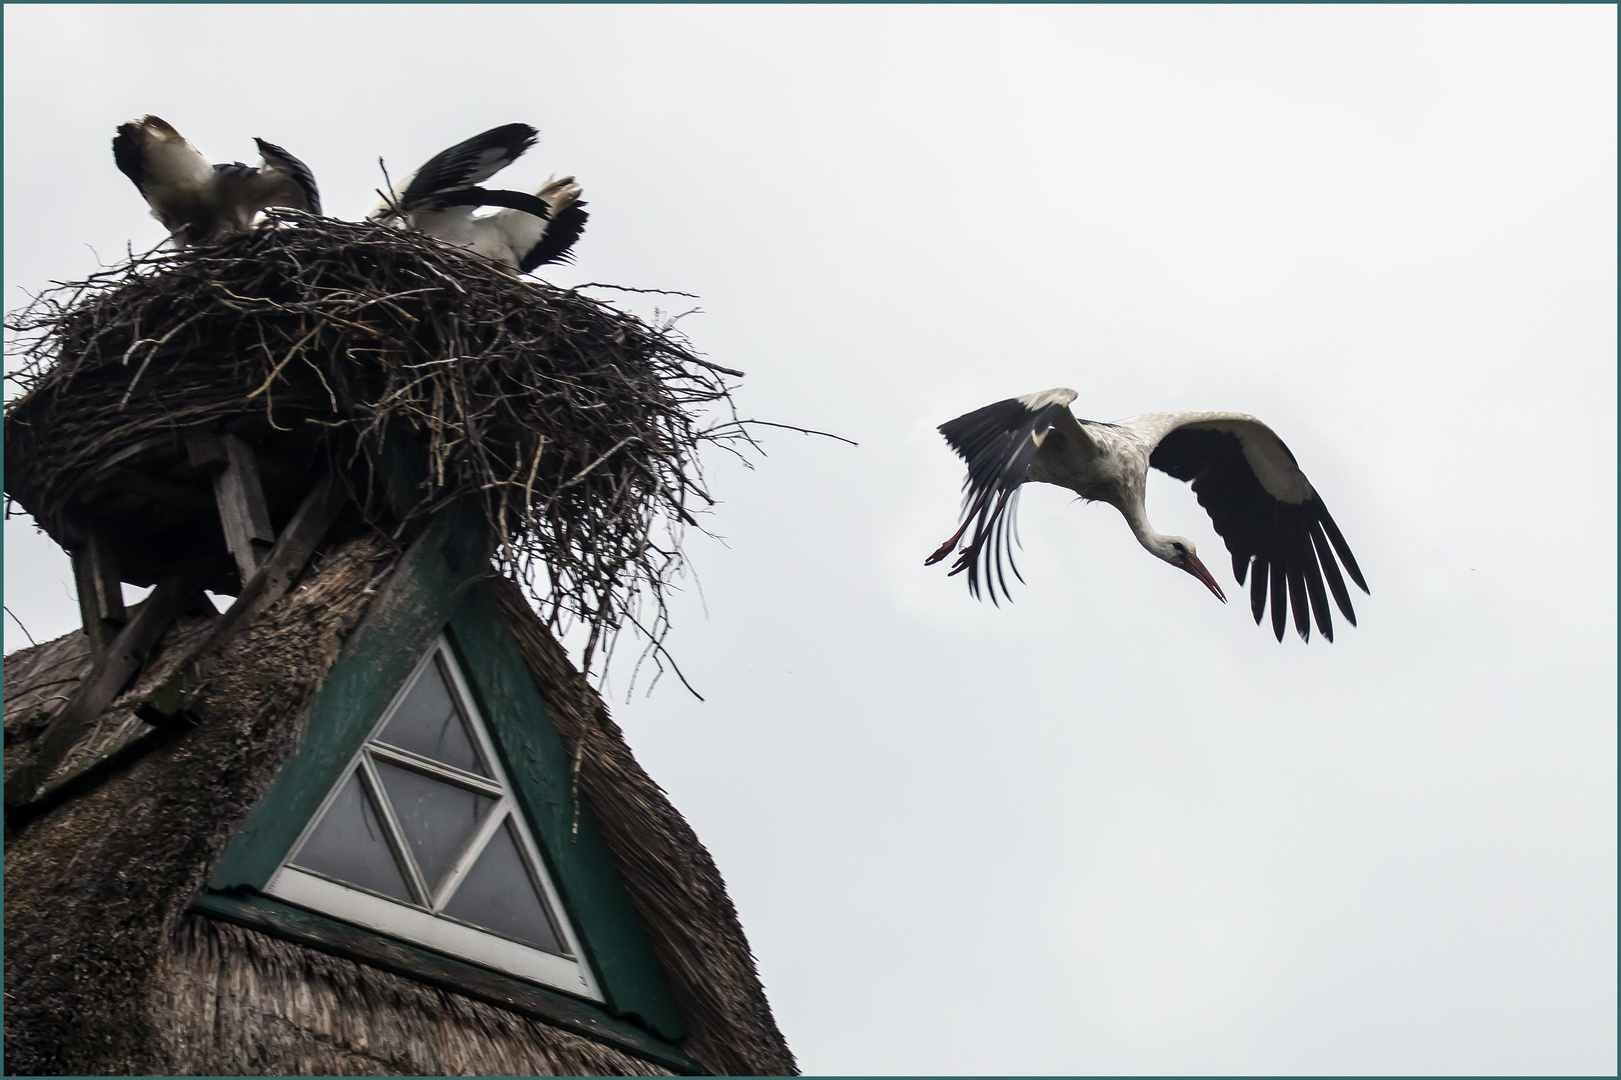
<point x="945" y="548"/>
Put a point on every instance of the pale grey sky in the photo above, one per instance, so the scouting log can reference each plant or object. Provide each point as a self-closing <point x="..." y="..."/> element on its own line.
<point x="1112" y="827"/>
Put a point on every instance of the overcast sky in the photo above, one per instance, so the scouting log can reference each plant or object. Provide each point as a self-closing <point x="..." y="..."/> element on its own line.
<point x="1113" y="826"/>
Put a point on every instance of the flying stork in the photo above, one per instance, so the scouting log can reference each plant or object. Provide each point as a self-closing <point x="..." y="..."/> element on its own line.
<point x="530" y="231"/>
<point x="1274" y="522"/>
<point x="197" y="201"/>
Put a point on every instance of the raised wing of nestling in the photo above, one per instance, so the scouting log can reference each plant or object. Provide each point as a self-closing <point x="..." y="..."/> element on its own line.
<point x="998" y="442"/>
<point x="196" y="200"/>
<point x="241" y="191"/>
<point x="1273" y="521"/>
<point x="450" y="172"/>
<point x="284" y="180"/>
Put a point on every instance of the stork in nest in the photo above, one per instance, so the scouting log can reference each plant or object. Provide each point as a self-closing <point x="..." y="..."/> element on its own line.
<point x="530" y="230"/>
<point x="197" y="201"/>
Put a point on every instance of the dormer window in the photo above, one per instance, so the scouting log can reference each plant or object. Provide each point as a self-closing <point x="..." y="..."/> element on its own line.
<point x="422" y="838"/>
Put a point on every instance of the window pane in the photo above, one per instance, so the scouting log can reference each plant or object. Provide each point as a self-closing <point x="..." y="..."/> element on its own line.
<point x="349" y="845"/>
<point x="437" y="818"/>
<point x="428" y="722"/>
<point x="498" y="895"/>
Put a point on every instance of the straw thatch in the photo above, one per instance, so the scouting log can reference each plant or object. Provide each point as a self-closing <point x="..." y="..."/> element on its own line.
<point x="672" y="880"/>
<point x="108" y="973"/>
<point x="340" y="343"/>
<point x="96" y="887"/>
<point x="246" y="1003"/>
<point x="61" y="664"/>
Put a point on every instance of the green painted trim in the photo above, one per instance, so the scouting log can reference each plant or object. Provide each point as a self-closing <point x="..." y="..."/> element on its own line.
<point x="270" y="916"/>
<point x="415" y="603"/>
<point x="541" y="774"/>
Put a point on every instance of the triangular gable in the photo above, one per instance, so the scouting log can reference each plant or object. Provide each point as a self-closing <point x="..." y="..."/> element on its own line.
<point x="423" y="838"/>
<point x="439" y="589"/>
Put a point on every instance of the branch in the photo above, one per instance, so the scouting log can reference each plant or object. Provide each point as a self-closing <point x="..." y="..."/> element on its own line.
<point x="625" y="288"/>
<point x="790" y="427"/>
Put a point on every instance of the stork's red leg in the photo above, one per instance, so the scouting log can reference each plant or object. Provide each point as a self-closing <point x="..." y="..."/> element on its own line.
<point x="945" y="548"/>
<point x="971" y="552"/>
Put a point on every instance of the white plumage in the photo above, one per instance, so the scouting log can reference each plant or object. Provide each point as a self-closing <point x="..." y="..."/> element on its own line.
<point x="197" y="201"/>
<point x="530" y="230"/>
<point x="1274" y="523"/>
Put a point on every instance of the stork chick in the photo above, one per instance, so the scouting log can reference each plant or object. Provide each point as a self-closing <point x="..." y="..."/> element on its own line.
<point x="197" y="201"/>
<point x="530" y="231"/>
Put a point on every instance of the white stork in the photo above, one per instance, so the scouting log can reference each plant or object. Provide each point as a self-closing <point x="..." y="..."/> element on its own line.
<point x="1275" y="524"/>
<point x="440" y="198"/>
<point x="197" y="201"/>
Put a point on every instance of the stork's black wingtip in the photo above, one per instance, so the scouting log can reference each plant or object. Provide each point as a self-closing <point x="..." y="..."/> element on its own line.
<point x="517" y="138"/>
<point x="127" y="153"/>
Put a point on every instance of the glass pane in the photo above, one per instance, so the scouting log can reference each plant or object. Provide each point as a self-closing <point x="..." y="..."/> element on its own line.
<point x="437" y="818"/>
<point x="349" y="845"/>
<point x="498" y="895"/>
<point x="428" y="722"/>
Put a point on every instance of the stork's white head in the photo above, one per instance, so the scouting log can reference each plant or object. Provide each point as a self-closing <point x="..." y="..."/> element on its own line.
<point x="1180" y="553"/>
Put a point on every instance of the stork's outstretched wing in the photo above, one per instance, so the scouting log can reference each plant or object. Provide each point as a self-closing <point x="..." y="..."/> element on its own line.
<point x="1270" y="516"/>
<point x="469" y="162"/>
<point x="998" y="442"/>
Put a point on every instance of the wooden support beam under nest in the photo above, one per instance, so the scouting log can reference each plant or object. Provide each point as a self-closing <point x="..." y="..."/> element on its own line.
<point x="101" y="593"/>
<point x="108" y="676"/>
<point x="308" y="527"/>
<point x="244" y="513"/>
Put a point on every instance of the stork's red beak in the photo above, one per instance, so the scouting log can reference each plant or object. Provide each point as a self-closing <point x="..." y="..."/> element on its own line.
<point x="1197" y="569"/>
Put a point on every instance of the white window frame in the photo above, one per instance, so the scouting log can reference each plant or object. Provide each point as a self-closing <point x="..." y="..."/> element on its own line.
<point x="422" y="922"/>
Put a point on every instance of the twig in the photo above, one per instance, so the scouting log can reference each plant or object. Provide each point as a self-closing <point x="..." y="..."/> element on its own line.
<point x="790" y="427"/>
<point x="21" y="627"/>
<point x="623" y="288"/>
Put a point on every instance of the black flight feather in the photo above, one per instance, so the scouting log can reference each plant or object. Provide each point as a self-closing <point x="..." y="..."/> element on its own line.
<point x="998" y="442"/>
<point x="1288" y="543"/>
<point x="127" y="155"/>
<point x="477" y="196"/>
<point x="1280" y="603"/>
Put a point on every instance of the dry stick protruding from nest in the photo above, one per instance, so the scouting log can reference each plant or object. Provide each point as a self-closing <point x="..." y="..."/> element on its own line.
<point x="576" y="426"/>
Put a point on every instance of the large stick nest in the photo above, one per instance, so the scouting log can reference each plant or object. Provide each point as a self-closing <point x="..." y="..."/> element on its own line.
<point x="575" y="424"/>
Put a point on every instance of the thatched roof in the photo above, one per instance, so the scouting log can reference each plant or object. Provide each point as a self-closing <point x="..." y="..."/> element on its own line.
<point x="106" y="971"/>
<point x="415" y="377"/>
<point x="243" y="1002"/>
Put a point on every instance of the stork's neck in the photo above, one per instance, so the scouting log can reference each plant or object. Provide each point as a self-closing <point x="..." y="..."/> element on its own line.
<point x="1156" y="543"/>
